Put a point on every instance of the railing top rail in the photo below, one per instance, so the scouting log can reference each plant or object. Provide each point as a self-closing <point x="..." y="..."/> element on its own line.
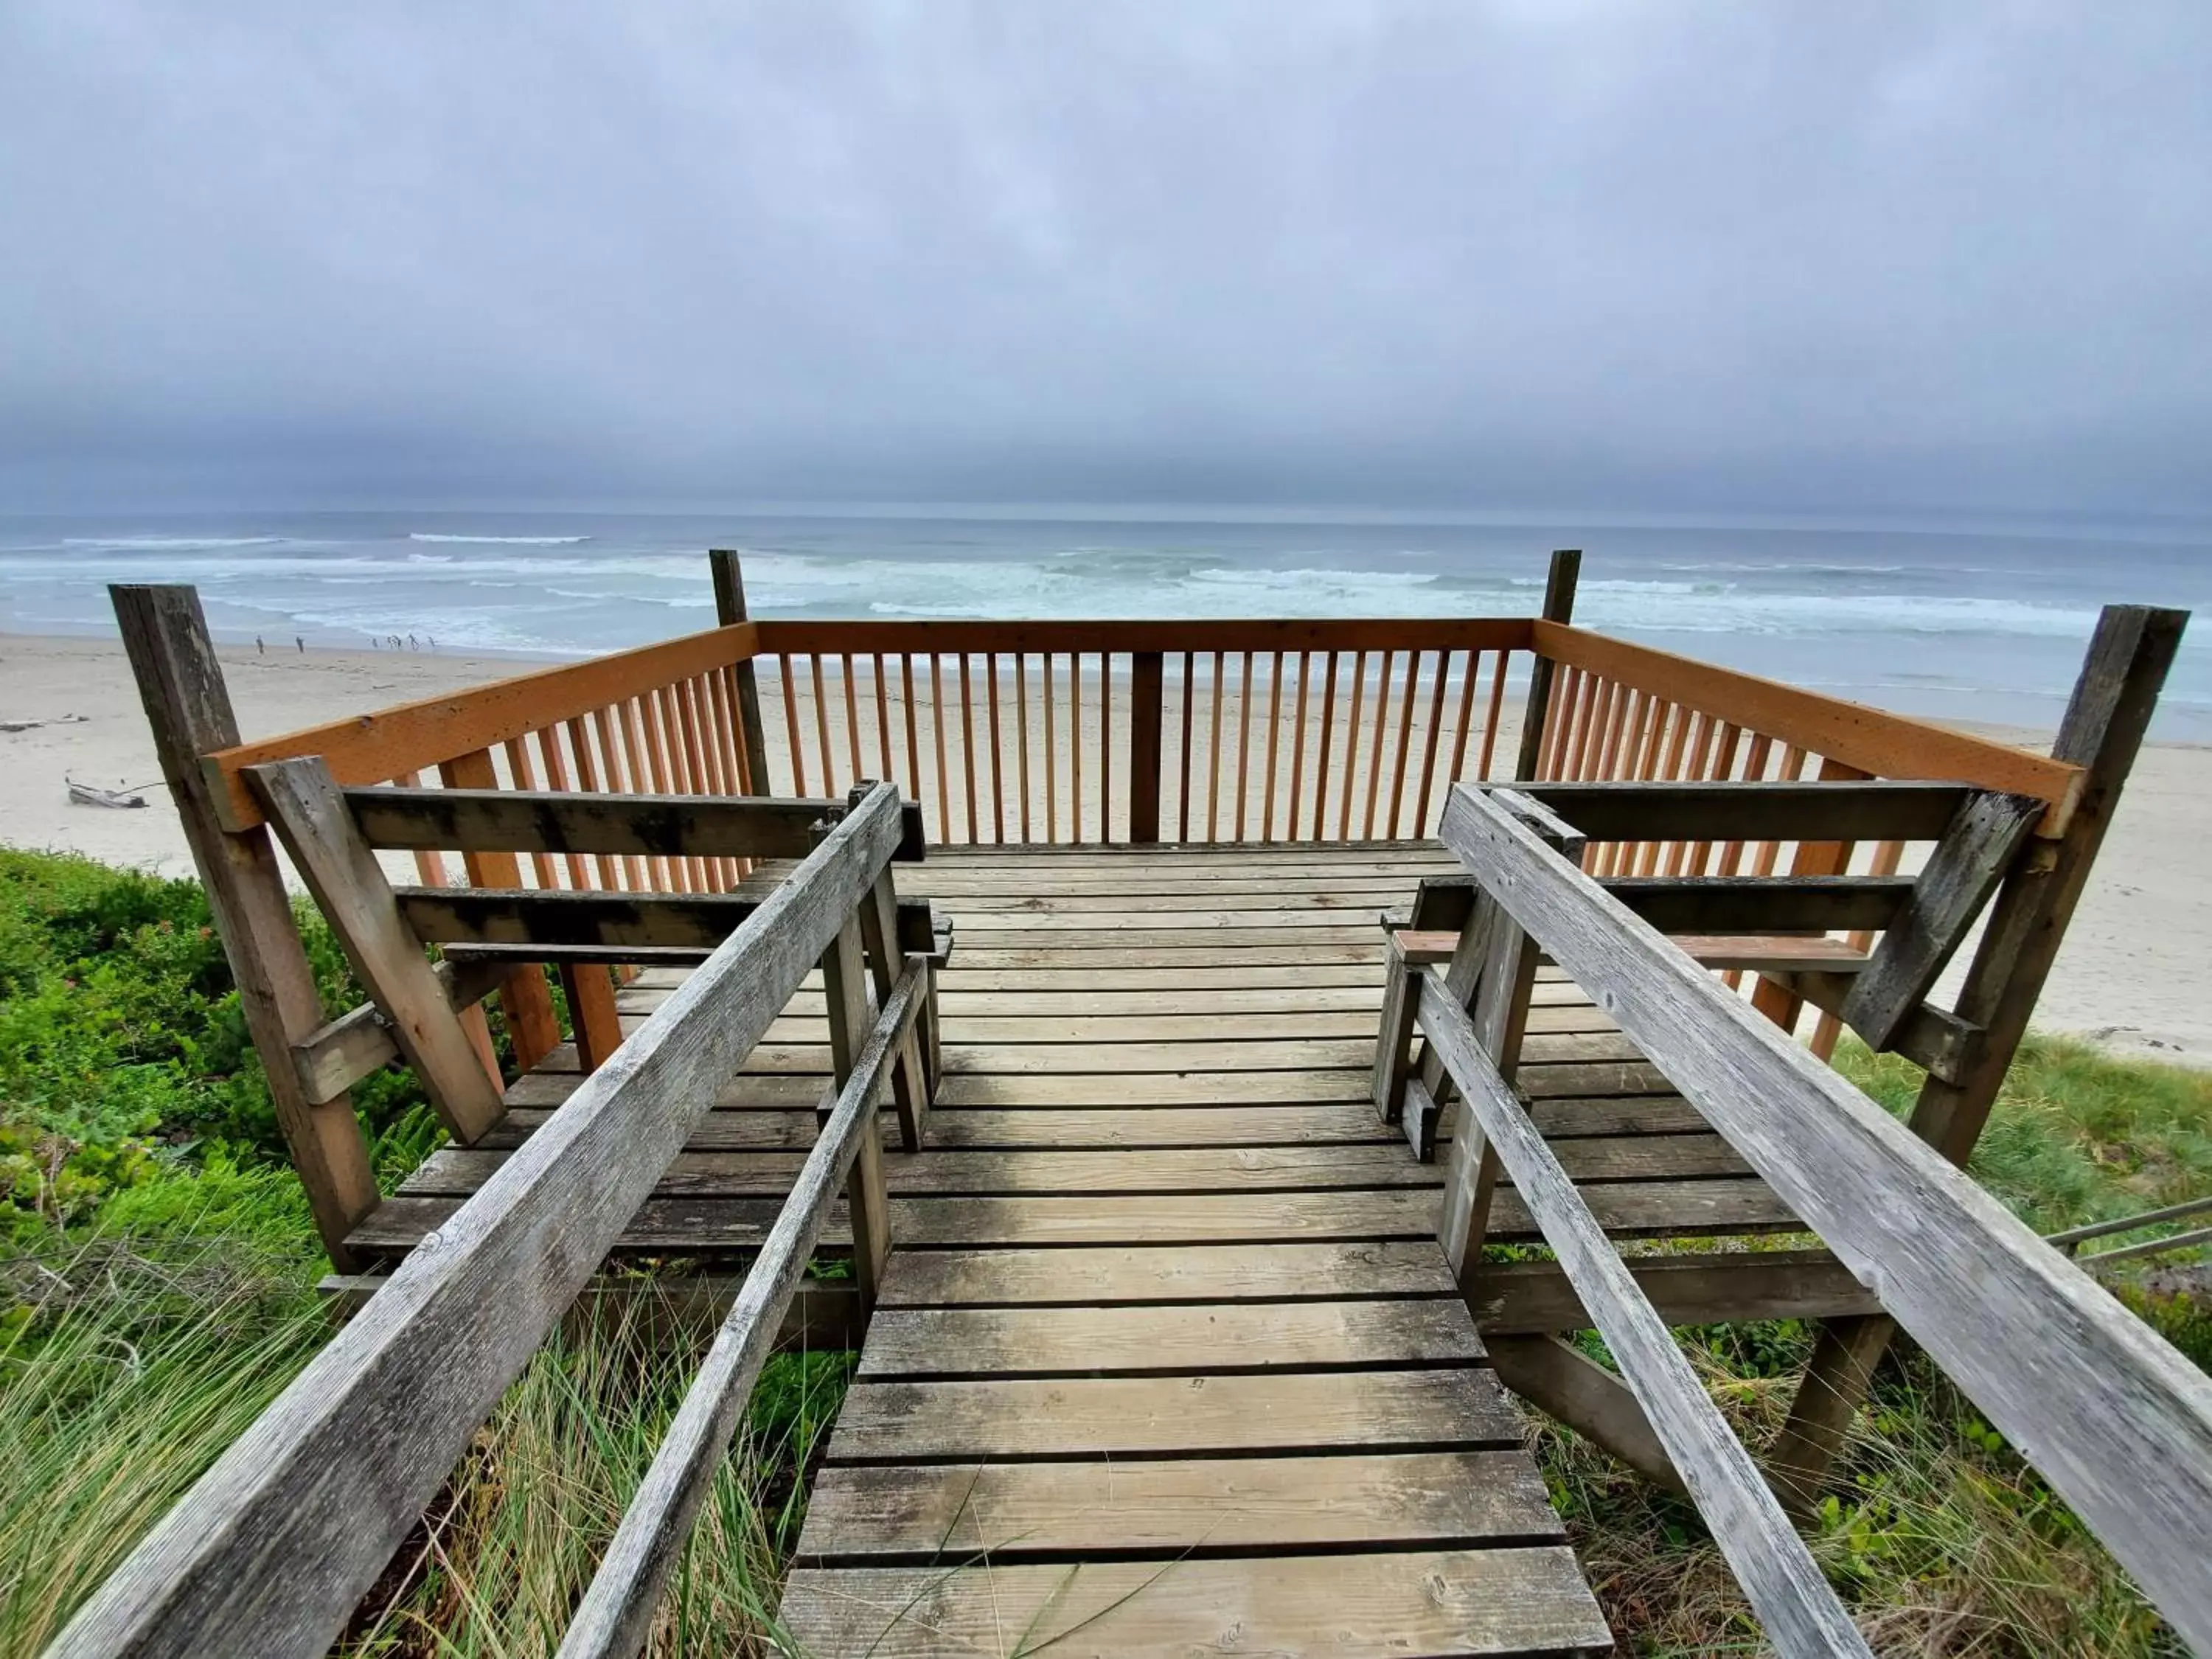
<point x="2116" y="1419"/>
<point x="269" y="1551"/>
<point x="1874" y="740"/>
<point x="411" y="736"/>
<point x="1122" y="635"/>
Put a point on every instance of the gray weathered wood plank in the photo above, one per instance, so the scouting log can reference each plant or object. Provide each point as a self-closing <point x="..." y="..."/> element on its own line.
<point x="2117" y="1420"/>
<point x="337" y="1471"/>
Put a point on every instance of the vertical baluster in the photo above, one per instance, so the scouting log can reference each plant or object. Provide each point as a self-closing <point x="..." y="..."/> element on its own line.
<point x="883" y="723"/>
<point x="1183" y="788"/>
<point x="913" y="736"/>
<point x="852" y="717"/>
<point x="1381" y="743"/>
<point x="1435" y="738"/>
<point x="700" y="720"/>
<point x="937" y="731"/>
<point x="666" y="713"/>
<point x="752" y="770"/>
<point x="1243" y="742"/>
<point x="1490" y="719"/>
<point x="556" y="774"/>
<point x="1320" y="761"/>
<point x="525" y="777"/>
<point x="706" y="773"/>
<point x="822" y="749"/>
<point x="1669" y="726"/>
<point x="645" y="778"/>
<point x="968" y="743"/>
<point x="1726" y="736"/>
<point x="1701" y="739"/>
<point x="1470" y="673"/>
<point x="1075" y="747"/>
<point x="1668" y="769"/>
<point x="1405" y="739"/>
<point x="1754" y="768"/>
<point x="1567" y="690"/>
<point x="612" y="870"/>
<point x="1021" y="728"/>
<point x="1351" y="746"/>
<point x="1274" y="736"/>
<point x="1574" y="745"/>
<point x="797" y="758"/>
<point x="1298" y="752"/>
<point x="1213" y="753"/>
<point x="1105" y="747"/>
<point x="997" y="784"/>
<point x="1051" y="783"/>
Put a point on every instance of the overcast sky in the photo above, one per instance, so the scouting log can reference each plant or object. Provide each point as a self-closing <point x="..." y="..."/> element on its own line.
<point x="1669" y="256"/>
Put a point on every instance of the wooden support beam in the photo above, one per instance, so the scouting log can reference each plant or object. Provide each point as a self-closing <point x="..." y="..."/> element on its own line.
<point x="1800" y="1613"/>
<point x="845" y="989"/>
<point x="2101" y="734"/>
<point x="336" y="1472"/>
<point x="590" y="990"/>
<point x="1934" y="1039"/>
<point x="1562" y="1381"/>
<point x="2117" y="1420"/>
<point x="1965" y="870"/>
<point x="1497" y="1009"/>
<point x="310" y="816"/>
<point x="1796" y="809"/>
<point x="335" y="1057"/>
<point x="910" y="1085"/>
<point x="1558" y="607"/>
<point x="1394" y="1043"/>
<point x="1735" y="906"/>
<point x="730" y="611"/>
<point x="188" y="708"/>
<point x="635" y="825"/>
<point x="1520" y="1299"/>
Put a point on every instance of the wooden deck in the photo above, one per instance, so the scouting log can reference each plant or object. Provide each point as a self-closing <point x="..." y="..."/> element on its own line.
<point x="1166" y="1303"/>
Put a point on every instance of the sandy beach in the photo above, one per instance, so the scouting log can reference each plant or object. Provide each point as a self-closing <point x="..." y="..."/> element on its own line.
<point x="2134" y="975"/>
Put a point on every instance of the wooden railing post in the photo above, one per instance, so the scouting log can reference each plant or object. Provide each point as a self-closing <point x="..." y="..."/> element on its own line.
<point x="165" y="636"/>
<point x="1496" y="963"/>
<point x="1558" y="607"/>
<point x="1146" y="675"/>
<point x="845" y="982"/>
<point x="2102" y="731"/>
<point x="730" y="608"/>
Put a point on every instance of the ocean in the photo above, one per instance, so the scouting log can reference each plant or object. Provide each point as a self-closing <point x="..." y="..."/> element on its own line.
<point x="1981" y="621"/>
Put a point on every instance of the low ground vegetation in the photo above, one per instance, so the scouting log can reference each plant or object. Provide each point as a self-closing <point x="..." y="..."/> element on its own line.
<point x="157" y="1291"/>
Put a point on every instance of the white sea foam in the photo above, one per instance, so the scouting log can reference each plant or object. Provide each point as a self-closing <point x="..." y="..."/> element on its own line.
<point x="498" y="541"/>
<point x="169" y="543"/>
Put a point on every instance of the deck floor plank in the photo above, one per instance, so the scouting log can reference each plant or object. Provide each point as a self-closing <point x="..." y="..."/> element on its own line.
<point x="1167" y="1358"/>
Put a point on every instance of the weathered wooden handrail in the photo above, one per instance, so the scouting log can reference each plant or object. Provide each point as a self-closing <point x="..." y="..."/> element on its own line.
<point x="2117" y="1421"/>
<point x="1777" y="1572"/>
<point x="271" y="1550"/>
<point x="616" y="1611"/>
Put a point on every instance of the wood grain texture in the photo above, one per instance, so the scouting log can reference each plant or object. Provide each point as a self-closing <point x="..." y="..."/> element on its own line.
<point x="1380" y="1605"/>
<point x="2119" y="1423"/>
<point x="410" y="736"/>
<point x="1946" y="897"/>
<point x="919" y="1514"/>
<point x="523" y="820"/>
<point x="616" y="1611"/>
<point x="310" y="816"/>
<point x="1877" y="742"/>
<point x="188" y="713"/>
<point x="1001" y="1418"/>
<point x="1800" y="1613"/>
<point x="1098" y="1278"/>
<point x="1125" y="1339"/>
<point x="337" y="1469"/>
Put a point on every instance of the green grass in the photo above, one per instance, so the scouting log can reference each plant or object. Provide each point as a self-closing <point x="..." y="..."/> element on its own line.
<point x="157" y="1291"/>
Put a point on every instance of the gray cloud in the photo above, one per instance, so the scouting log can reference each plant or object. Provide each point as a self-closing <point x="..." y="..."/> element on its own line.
<point x="1660" y="255"/>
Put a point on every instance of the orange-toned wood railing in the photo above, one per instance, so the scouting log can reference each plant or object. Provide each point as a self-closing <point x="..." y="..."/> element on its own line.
<point x="1085" y="731"/>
